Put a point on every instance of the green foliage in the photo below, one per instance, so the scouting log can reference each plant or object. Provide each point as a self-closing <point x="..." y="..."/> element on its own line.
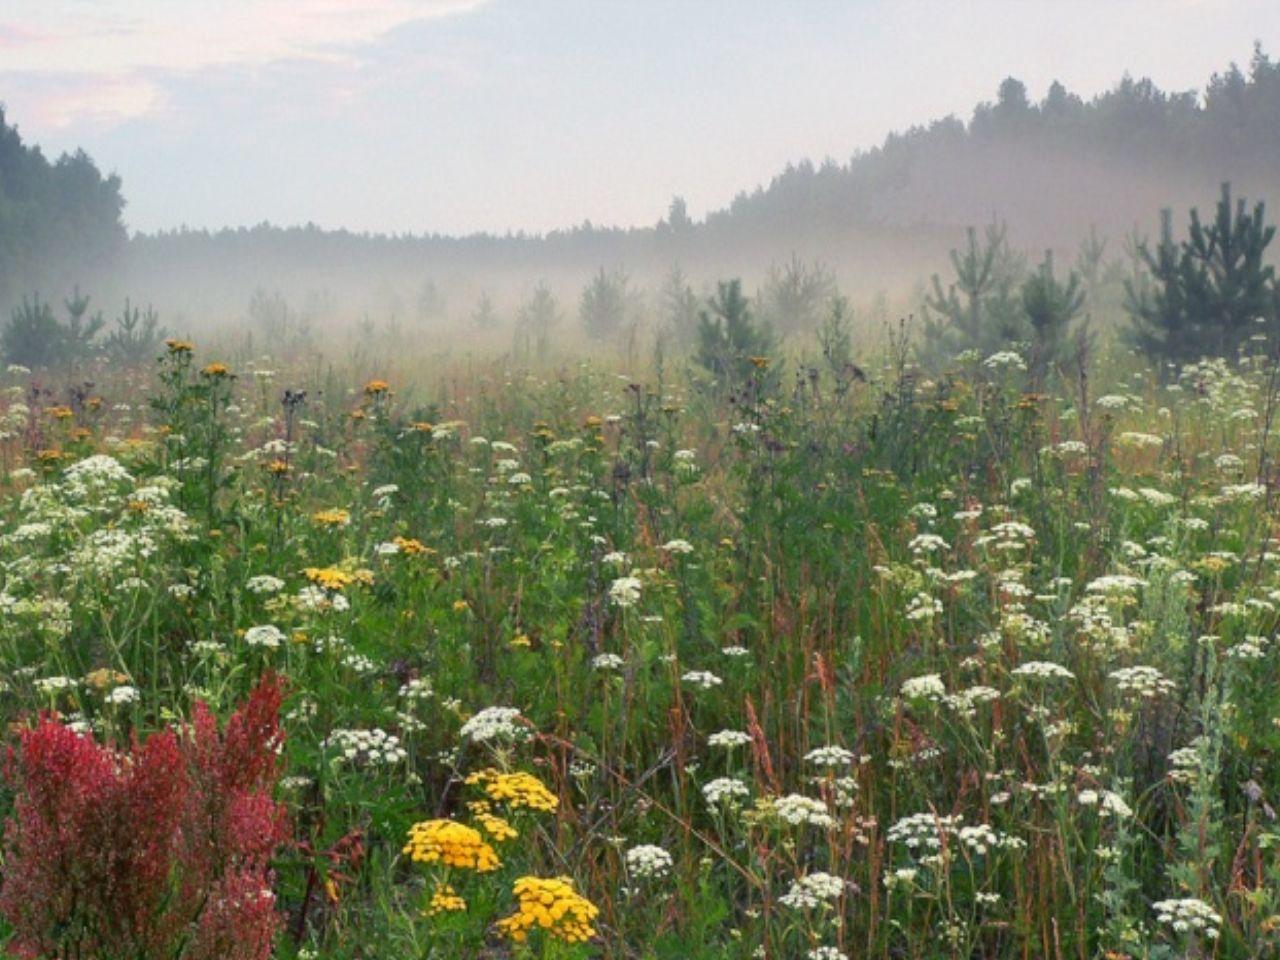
<point x="608" y="304"/>
<point x="34" y="337"/>
<point x="535" y="320"/>
<point x="795" y="294"/>
<point x="981" y="309"/>
<point x="137" y="336"/>
<point x="1050" y="307"/>
<point x="59" y="222"/>
<point x="1210" y="293"/>
<point x="484" y="315"/>
<point x="731" y="342"/>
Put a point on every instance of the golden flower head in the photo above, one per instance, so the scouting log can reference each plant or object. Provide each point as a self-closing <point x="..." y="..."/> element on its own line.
<point x="332" y="518"/>
<point x="551" y="905"/>
<point x="216" y="370"/>
<point x="179" y="346"/>
<point x="376" y="388"/>
<point x="445" y="900"/>
<point x="516" y="790"/>
<point x="452" y="844"/>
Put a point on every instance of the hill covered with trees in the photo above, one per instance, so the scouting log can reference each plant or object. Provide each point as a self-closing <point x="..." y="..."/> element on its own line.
<point x="60" y="220"/>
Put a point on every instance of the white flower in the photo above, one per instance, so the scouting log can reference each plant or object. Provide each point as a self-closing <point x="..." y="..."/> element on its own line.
<point x="264" y="584"/>
<point x="927" y="687"/>
<point x="812" y="891"/>
<point x="494" y="723"/>
<point x="678" y="546"/>
<point x="797" y="809"/>
<point x="1189" y="916"/>
<point x="373" y="747"/>
<point x="122" y="695"/>
<point x="729" y="739"/>
<point x="829" y="757"/>
<point x="625" y="591"/>
<point x="1043" y="670"/>
<point x="648" y="862"/>
<point x="607" y="661"/>
<point x="266" y="635"/>
<point x="704" y="679"/>
<point x="724" y="790"/>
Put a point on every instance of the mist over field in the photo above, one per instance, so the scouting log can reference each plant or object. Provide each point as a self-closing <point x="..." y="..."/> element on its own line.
<point x="1051" y="163"/>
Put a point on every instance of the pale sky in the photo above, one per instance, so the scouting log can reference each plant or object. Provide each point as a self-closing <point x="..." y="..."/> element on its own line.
<point x="454" y="116"/>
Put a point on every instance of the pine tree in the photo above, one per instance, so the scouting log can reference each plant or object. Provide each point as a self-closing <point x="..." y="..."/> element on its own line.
<point x="729" y="338"/>
<point x="1050" y="308"/>
<point x="1208" y="294"/>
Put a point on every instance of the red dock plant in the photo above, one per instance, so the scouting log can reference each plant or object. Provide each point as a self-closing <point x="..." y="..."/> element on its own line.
<point x="158" y="851"/>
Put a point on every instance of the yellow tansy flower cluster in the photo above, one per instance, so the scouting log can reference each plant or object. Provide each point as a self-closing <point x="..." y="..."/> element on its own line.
<point x="516" y="790"/>
<point x="554" y="906"/>
<point x="494" y="825"/>
<point x="376" y="388"/>
<point x="409" y="545"/>
<point x="331" y="578"/>
<point x="451" y="843"/>
<point x="332" y="518"/>
<point x="445" y="900"/>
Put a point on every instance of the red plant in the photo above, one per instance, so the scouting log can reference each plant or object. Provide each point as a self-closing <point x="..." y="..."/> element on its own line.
<point x="161" y="850"/>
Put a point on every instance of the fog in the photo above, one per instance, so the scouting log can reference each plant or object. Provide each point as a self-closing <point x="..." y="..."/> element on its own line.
<point x="1049" y="167"/>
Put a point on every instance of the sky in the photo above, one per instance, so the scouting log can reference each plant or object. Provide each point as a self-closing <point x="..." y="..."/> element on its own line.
<point x="456" y="116"/>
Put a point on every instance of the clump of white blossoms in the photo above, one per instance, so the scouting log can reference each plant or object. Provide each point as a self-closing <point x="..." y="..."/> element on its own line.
<point x="1147" y="683"/>
<point x="729" y="739"/>
<point x="724" y="790"/>
<point x="267" y="636"/>
<point x="826" y="953"/>
<point x="811" y="891"/>
<point x="1043" y="670"/>
<point x="678" y="546"/>
<point x="927" y="687"/>
<point x="829" y="757"/>
<point x="797" y="809"/>
<point x="264" y="584"/>
<point x="703" y="679"/>
<point x="1189" y="916"/>
<point x="625" y="592"/>
<point x="607" y="661"/>
<point x="373" y="747"/>
<point x="648" y="862"/>
<point x="122" y="695"/>
<point x="1108" y="803"/>
<point x="494" y="723"/>
<point x="923" y="830"/>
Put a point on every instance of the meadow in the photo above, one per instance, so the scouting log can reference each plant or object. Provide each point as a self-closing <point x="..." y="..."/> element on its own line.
<point x="353" y="660"/>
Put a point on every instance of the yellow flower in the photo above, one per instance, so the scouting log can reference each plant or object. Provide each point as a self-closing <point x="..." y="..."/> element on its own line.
<point x="331" y="578"/>
<point x="179" y="346"/>
<point x="216" y="370"/>
<point x="552" y="905"/>
<point x="496" y="827"/>
<point x="376" y="388"/>
<point x="332" y="518"/>
<point x="521" y="640"/>
<point x="61" y="413"/>
<point x="445" y="900"/>
<point x="516" y="790"/>
<point x="102" y="678"/>
<point x="451" y="843"/>
<point x="409" y="546"/>
<point x="461" y="606"/>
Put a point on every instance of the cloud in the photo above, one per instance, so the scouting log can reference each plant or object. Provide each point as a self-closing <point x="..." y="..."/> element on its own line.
<point x="57" y="53"/>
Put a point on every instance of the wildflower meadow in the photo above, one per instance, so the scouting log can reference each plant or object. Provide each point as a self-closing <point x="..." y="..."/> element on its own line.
<point x="487" y="661"/>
